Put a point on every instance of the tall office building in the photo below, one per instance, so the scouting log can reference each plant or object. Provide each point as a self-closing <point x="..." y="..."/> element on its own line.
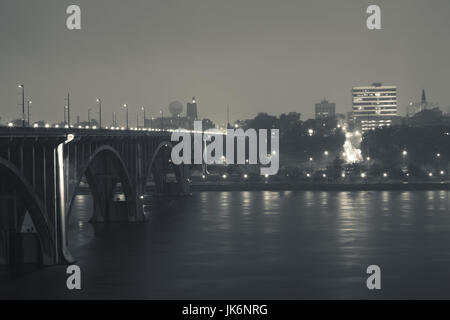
<point x="374" y="106"/>
<point x="191" y="110"/>
<point x="325" y="110"/>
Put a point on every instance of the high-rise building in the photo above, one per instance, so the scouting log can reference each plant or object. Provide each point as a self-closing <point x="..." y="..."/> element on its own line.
<point x="374" y="106"/>
<point x="191" y="110"/>
<point x="325" y="110"/>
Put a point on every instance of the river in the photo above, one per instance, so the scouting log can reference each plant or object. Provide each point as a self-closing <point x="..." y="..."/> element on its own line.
<point x="259" y="245"/>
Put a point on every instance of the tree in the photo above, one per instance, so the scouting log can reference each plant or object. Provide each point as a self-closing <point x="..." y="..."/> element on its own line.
<point x="207" y="124"/>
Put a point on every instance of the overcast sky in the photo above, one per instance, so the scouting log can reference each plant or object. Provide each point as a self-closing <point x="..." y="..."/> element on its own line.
<point x="255" y="55"/>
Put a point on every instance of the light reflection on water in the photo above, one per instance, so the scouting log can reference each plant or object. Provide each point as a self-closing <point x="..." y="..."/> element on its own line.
<point x="262" y="245"/>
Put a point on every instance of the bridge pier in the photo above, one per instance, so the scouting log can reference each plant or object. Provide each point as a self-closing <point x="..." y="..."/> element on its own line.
<point x="41" y="170"/>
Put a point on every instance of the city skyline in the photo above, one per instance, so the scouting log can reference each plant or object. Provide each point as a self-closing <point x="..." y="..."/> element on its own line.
<point x="153" y="53"/>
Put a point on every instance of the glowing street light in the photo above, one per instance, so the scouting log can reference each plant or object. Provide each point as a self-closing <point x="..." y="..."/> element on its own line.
<point x="430" y="174"/>
<point x="21" y="86"/>
<point x="363" y="175"/>
<point x="442" y="172"/>
<point x="99" y="102"/>
<point x="405" y="153"/>
<point x="385" y="175"/>
<point x="28" y="111"/>
<point x="326" y="153"/>
<point x="126" y="108"/>
<point x="143" y="110"/>
<point x="245" y="176"/>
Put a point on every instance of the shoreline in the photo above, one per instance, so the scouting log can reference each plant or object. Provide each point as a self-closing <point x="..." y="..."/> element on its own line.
<point x="273" y="186"/>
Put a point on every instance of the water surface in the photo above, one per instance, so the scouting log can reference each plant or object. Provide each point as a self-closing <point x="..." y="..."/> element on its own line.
<point x="259" y="245"/>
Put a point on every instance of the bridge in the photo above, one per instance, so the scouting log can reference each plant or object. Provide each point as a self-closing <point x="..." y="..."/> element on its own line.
<point x="41" y="170"/>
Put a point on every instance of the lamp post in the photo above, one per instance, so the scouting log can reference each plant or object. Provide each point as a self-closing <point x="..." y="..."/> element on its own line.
<point x="99" y="102"/>
<point x="28" y="110"/>
<point x="126" y="109"/>
<point x="68" y="109"/>
<point x="65" y="117"/>
<point x="21" y="86"/>
<point x="162" y="119"/>
<point x="89" y="117"/>
<point x="143" y="109"/>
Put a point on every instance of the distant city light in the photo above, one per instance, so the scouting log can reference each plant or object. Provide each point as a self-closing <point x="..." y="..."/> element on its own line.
<point x="245" y="176"/>
<point x="325" y="153"/>
<point x="10" y="124"/>
<point x="385" y="175"/>
<point x="343" y="175"/>
<point x="438" y="155"/>
<point x="310" y="132"/>
<point x="324" y="175"/>
<point x="308" y="175"/>
<point x="405" y="152"/>
<point x="224" y="176"/>
<point x="442" y="172"/>
<point x="35" y="125"/>
<point x="266" y="176"/>
<point x="430" y="174"/>
<point x="363" y="175"/>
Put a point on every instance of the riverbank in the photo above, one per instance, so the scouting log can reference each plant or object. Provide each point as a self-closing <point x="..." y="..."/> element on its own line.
<point x="284" y="186"/>
<point x="278" y="186"/>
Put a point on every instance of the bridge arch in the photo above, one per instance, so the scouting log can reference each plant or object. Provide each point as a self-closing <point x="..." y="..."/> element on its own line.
<point x="120" y="170"/>
<point x="45" y="232"/>
<point x="177" y="169"/>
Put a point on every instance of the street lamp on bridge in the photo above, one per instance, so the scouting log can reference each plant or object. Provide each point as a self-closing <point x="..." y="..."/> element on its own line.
<point x="143" y="109"/>
<point x="21" y="86"/>
<point x="28" y="110"/>
<point x="99" y="102"/>
<point x="126" y="109"/>
<point x="89" y="117"/>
